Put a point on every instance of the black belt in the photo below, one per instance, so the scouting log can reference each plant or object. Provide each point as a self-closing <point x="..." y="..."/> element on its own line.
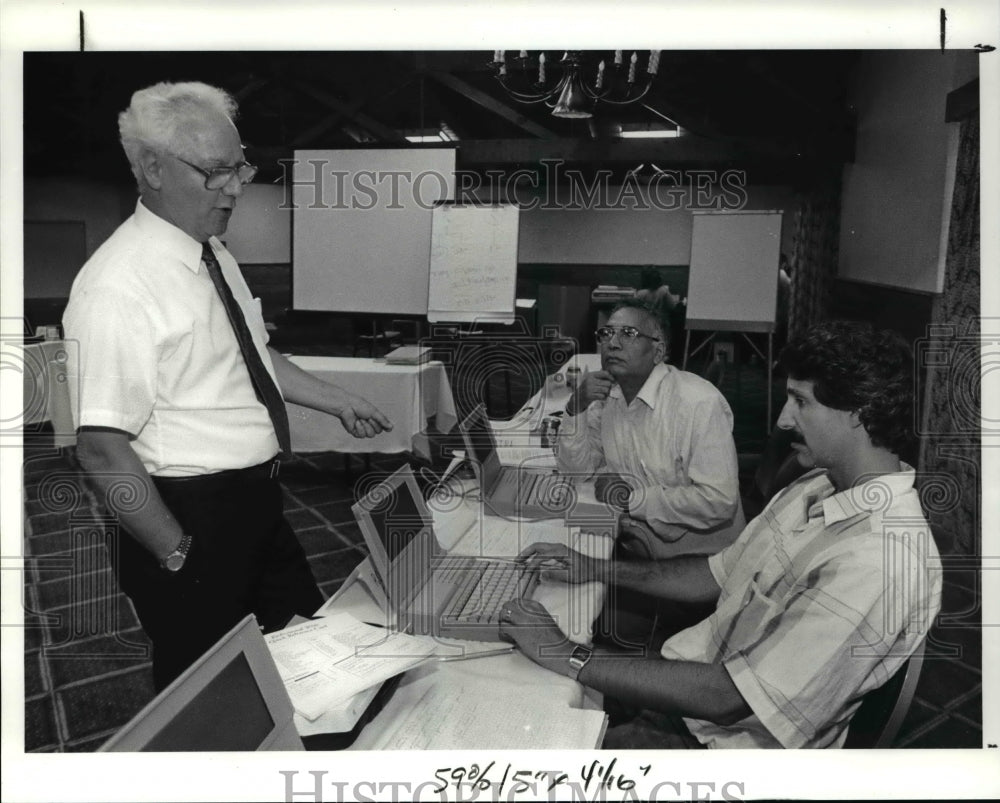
<point x="265" y="471"/>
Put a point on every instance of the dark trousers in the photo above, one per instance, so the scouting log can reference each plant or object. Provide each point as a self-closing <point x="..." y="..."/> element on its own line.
<point x="244" y="558"/>
<point x="651" y="731"/>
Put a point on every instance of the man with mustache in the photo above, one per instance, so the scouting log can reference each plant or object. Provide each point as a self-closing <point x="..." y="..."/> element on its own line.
<point x="177" y="396"/>
<point x="821" y="599"/>
<point x="660" y="439"/>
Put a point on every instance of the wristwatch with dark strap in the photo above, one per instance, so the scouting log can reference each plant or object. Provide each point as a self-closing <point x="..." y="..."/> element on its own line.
<point x="175" y="560"/>
<point x="578" y="660"/>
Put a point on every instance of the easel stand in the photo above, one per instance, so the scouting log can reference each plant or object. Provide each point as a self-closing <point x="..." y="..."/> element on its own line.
<point x="733" y="278"/>
<point x="743" y="329"/>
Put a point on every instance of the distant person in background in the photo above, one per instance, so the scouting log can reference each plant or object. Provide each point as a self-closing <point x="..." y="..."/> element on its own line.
<point x="179" y="398"/>
<point x="784" y="302"/>
<point x="666" y="304"/>
<point x="654" y="292"/>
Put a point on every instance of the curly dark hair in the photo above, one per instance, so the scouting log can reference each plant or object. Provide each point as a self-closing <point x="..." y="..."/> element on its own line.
<point x="858" y="368"/>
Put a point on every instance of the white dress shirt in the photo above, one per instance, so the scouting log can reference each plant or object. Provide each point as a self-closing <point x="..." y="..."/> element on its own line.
<point x="674" y="445"/>
<point x="158" y="358"/>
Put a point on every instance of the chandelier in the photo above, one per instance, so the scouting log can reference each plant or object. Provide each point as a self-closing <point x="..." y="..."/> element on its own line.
<point x="575" y="88"/>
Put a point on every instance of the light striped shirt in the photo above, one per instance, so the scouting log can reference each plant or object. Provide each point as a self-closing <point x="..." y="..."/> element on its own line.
<point x="674" y="445"/>
<point x="824" y="596"/>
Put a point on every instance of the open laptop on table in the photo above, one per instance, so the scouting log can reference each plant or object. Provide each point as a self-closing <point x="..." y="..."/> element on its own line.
<point x="514" y="491"/>
<point x="431" y="592"/>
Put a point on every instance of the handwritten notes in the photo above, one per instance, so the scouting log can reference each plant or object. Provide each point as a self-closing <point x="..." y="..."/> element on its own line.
<point x="503" y="717"/>
<point x="473" y="266"/>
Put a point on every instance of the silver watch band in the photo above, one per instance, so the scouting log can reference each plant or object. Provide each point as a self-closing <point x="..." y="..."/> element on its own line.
<point x="578" y="659"/>
<point x="176" y="559"/>
<point x="185" y="545"/>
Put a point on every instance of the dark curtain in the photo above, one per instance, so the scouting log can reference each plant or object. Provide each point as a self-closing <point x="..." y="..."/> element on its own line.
<point x="950" y="419"/>
<point x="813" y="261"/>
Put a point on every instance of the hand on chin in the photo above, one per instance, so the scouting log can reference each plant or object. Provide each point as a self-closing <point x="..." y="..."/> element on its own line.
<point x="613" y="366"/>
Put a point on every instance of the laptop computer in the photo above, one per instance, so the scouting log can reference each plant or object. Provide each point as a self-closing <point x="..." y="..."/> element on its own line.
<point x="430" y="592"/>
<point x="513" y="491"/>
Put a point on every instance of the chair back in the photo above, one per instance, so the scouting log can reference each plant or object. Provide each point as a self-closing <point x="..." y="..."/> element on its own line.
<point x="882" y="711"/>
<point x="778" y="465"/>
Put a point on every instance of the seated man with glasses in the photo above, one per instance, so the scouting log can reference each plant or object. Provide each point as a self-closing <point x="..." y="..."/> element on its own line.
<point x="660" y="440"/>
<point x="178" y="400"/>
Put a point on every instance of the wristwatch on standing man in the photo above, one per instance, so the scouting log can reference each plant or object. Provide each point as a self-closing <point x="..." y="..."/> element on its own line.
<point x="174" y="562"/>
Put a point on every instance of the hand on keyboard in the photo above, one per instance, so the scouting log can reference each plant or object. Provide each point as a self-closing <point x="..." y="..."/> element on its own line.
<point x="527" y="624"/>
<point x="562" y="564"/>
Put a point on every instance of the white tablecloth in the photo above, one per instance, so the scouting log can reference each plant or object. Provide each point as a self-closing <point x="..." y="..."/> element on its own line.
<point x="408" y="394"/>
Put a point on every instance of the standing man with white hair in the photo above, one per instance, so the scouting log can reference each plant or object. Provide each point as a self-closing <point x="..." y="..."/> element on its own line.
<point x="179" y="397"/>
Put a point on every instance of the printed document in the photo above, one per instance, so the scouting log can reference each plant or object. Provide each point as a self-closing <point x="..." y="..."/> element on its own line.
<point x="326" y="661"/>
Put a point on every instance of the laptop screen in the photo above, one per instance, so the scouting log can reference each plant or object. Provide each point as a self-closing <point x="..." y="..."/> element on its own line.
<point x="397" y="517"/>
<point x="481" y="443"/>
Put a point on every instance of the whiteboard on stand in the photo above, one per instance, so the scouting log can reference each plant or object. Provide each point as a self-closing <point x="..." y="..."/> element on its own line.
<point x="361" y="227"/>
<point x="733" y="278"/>
<point x="473" y="263"/>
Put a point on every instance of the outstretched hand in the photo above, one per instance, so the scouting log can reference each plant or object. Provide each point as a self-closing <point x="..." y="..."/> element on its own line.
<point x="362" y="419"/>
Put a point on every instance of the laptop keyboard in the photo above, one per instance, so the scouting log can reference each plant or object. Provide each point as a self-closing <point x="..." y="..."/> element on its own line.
<point x="481" y="596"/>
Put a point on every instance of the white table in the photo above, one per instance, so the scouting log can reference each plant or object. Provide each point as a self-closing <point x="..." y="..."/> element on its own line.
<point x="459" y="685"/>
<point x="408" y="394"/>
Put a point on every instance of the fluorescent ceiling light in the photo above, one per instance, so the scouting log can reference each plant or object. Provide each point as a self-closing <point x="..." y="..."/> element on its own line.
<point x="656" y="133"/>
<point x="441" y="134"/>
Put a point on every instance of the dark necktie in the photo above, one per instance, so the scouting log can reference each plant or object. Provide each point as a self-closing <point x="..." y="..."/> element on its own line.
<point x="267" y="392"/>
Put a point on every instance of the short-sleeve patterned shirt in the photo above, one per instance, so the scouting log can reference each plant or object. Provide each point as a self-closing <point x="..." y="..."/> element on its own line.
<point x="824" y="596"/>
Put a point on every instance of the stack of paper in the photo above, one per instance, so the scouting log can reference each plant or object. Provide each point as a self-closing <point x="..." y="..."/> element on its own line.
<point x="408" y="355"/>
<point x="339" y="719"/>
<point x="324" y="662"/>
<point x="611" y="292"/>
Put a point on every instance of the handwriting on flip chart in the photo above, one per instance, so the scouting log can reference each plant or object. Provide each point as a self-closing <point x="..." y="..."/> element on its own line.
<point x="473" y="261"/>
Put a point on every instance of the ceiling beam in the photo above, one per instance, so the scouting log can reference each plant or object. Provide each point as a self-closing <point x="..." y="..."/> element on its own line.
<point x="249" y="89"/>
<point x="679" y="150"/>
<point x="352" y="111"/>
<point x="490" y="103"/>
<point x="762" y="165"/>
<point x="823" y="115"/>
